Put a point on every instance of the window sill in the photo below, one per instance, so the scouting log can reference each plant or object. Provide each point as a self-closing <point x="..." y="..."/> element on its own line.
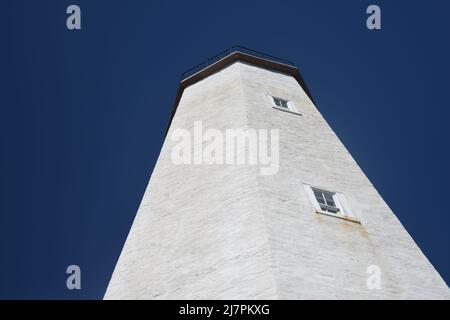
<point x="347" y="218"/>
<point x="288" y="111"/>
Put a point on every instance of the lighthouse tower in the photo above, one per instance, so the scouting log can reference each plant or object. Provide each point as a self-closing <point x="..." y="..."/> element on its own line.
<point x="314" y="227"/>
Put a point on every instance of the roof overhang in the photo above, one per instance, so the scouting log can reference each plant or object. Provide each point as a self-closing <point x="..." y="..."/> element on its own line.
<point x="226" y="61"/>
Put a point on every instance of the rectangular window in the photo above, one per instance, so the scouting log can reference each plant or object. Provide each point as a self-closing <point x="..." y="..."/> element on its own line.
<point x="330" y="203"/>
<point x="280" y="103"/>
<point x="325" y="200"/>
<point x="283" y="104"/>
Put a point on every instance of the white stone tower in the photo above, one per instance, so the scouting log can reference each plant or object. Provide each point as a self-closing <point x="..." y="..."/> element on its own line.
<point x="313" y="230"/>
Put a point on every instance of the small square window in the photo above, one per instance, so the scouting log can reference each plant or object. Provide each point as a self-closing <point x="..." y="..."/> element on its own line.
<point x="280" y="103"/>
<point x="283" y="104"/>
<point x="330" y="203"/>
<point x="325" y="200"/>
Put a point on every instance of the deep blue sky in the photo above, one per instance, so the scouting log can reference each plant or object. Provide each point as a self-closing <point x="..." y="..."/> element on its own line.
<point x="83" y="115"/>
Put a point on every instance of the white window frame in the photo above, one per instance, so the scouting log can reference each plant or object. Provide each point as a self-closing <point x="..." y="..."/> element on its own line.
<point x="345" y="212"/>
<point x="291" y="108"/>
<point x="282" y="102"/>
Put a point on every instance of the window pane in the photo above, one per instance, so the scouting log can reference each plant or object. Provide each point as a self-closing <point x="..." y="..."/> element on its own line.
<point x="319" y="196"/>
<point x="317" y="193"/>
<point x="328" y="196"/>
<point x="329" y="199"/>
<point x="280" y="102"/>
<point x="320" y="200"/>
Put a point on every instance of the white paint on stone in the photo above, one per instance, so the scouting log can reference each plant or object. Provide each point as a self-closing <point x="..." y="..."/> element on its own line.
<point x="226" y="232"/>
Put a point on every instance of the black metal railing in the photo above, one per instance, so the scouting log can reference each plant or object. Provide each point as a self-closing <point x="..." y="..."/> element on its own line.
<point x="223" y="54"/>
